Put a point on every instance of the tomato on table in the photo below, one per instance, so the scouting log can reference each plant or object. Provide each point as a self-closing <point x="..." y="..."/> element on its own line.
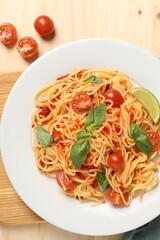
<point x="115" y="198"/>
<point x="154" y="138"/>
<point x="115" y="96"/>
<point x="63" y="179"/>
<point x="81" y="103"/>
<point x="27" y="47"/>
<point x="44" y="25"/>
<point x="8" y="33"/>
<point x="116" y="161"/>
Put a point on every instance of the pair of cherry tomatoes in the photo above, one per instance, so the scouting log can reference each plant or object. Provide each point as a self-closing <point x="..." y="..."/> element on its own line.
<point x="82" y="103"/>
<point x="65" y="182"/>
<point x="26" y="46"/>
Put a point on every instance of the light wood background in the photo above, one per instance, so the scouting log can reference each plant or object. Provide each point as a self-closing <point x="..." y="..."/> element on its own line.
<point x="134" y="21"/>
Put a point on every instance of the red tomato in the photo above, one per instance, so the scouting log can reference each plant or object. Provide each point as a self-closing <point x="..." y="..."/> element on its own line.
<point x="8" y="33"/>
<point x="64" y="179"/>
<point x="27" y="47"/>
<point x="44" y="25"/>
<point x="56" y="135"/>
<point x="154" y="138"/>
<point x="116" y="161"/>
<point x="45" y="111"/>
<point x="115" y="96"/>
<point x="115" y="198"/>
<point x="81" y="103"/>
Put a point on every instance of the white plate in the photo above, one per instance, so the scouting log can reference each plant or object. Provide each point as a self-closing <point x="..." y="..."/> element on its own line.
<point x="41" y="193"/>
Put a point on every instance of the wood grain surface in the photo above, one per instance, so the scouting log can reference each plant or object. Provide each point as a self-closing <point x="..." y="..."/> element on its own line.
<point x="133" y="21"/>
<point x="12" y="208"/>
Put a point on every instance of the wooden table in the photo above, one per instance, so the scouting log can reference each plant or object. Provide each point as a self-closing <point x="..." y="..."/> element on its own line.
<point x="134" y="21"/>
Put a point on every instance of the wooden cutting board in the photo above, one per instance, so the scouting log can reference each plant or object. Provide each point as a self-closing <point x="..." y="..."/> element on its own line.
<point x="12" y="209"/>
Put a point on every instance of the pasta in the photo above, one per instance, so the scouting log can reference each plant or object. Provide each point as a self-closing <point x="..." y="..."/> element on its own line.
<point x="62" y="108"/>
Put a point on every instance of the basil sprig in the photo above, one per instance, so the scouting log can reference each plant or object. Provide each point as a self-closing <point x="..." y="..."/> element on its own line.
<point x="83" y="134"/>
<point x="79" y="152"/>
<point x="44" y="137"/>
<point x="92" y="78"/>
<point x="102" y="181"/>
<point x="81" y="147"/>
<point x="95" y="117"/>
<point x="141" y="139"/>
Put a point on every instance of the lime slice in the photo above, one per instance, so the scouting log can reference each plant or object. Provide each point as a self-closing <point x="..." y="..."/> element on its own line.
<point x="149" y="102"/>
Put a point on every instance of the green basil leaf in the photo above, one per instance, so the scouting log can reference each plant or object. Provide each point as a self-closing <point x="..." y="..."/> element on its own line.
<point x="79" y="152"/>
<point x="141" y="139"/>
<point x="95" y="117"/>
<point x="44" y="137"/>
<point x="83" y="134"/>
<point x="92" y="78"/>
<point x="102" y="181"/>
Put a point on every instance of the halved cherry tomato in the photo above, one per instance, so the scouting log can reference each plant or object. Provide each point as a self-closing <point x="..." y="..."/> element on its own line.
<point x="56" y="135"/>
<point x="45" y="111"/>
<point x="27" y="47"/>
<point x="115" y="96"/>
<point x="154" y="138"/>
<point x="63" y="179"/>
<point x="81" y="103"/>
<point x="115" y="198"/>
<point x="44" y="25"/>
<point x="115" y="161"/>
<point x="8" y="33"/>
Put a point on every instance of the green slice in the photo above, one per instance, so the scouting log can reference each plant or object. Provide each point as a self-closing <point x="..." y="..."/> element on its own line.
<point x="149" y="102"/>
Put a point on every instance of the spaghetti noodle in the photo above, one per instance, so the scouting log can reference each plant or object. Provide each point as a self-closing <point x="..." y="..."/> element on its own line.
<point x="62" y="114"/>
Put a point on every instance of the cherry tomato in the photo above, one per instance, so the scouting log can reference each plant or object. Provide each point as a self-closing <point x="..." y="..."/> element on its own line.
<point x="44" y="25"/>
<point x="115" y="198"/>
<point x="45" y="111"/>
<point x="81" y="103"/>
<point x="8" y="33"/>
<point x="116" y="161"/>
<point x="115" y="96"/>
<point x="64" y="179"/>
<point x="56" y="135"/>
<point x="27" y="47"/>
<point x="154" y="138"/>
